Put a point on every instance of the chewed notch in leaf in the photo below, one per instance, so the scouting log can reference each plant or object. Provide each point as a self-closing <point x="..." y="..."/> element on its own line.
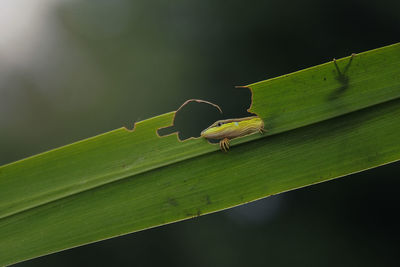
<point x="186" y="124"/>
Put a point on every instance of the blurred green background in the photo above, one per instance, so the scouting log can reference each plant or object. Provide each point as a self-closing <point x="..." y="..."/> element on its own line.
<point x="73" y="69"/>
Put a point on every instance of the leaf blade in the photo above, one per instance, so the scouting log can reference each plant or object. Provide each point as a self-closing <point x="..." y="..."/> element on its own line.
<point x="128" y="181"/>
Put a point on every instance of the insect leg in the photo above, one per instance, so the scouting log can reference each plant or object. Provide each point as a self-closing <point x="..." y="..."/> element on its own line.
<point x="224" y="144"/>
<point x="347" y="66"/>
<point x="227" y="143"/>
<point x="337" y="68"/>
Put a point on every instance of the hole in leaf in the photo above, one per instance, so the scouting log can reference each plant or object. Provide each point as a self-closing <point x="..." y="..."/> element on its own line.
<point x="196" y="115"/>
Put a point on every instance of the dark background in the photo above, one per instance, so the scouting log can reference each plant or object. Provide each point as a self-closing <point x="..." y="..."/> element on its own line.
<point x="73" y="69"/>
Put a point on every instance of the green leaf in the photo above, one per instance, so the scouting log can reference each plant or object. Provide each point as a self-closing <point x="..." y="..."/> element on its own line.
<point x="323" y="122"/>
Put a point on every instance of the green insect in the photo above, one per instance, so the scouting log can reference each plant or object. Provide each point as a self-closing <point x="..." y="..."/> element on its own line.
<point x="225" y="130"/>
